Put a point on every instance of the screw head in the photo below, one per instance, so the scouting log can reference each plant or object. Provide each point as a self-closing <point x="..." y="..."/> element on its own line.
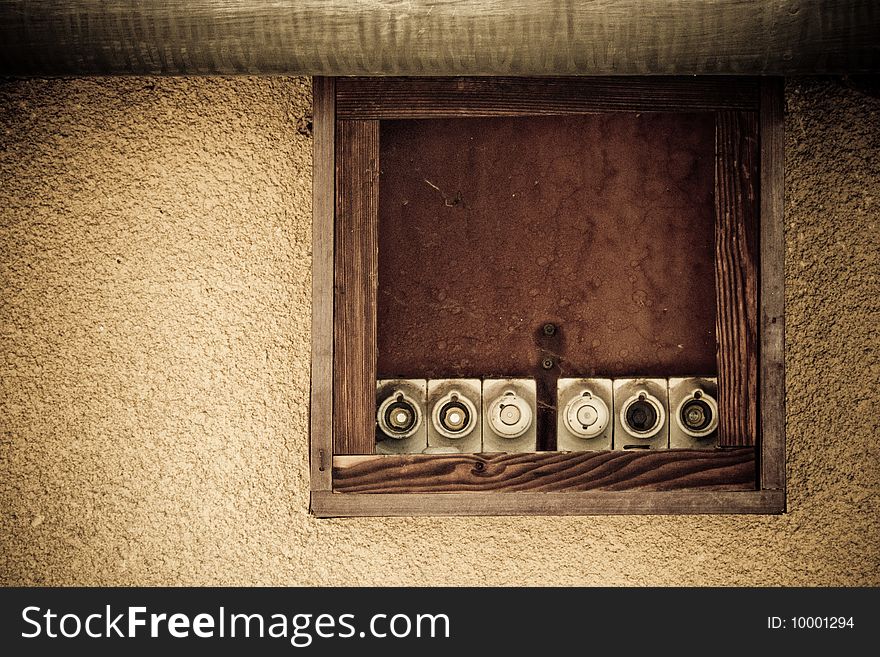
<point x="549" y="329"/>
<point x="547" y="363"/>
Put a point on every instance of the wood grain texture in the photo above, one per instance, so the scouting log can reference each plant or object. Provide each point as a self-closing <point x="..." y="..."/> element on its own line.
<point x="736" y="275"/>
<point x="424" y="97"/>
<point x="323" y="211"/>
<point x="732" y="469"/>
<point x="356" y="267"/>
<point x="772" y="446"/>
<point x="328" y="504"/>
<point x="439" y="37"/>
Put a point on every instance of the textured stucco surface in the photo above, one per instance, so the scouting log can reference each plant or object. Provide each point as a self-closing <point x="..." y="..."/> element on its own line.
<point x="154" y="361"/>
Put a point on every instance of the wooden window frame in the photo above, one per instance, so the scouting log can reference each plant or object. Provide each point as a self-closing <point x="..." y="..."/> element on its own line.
<point x="745" y="475"/>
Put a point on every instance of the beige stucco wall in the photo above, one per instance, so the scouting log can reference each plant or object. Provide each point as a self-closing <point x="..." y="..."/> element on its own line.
<point x="154" y="361"/>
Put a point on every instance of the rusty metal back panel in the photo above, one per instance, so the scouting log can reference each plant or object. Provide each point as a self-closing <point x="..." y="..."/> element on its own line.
<point x="600" y="224"/>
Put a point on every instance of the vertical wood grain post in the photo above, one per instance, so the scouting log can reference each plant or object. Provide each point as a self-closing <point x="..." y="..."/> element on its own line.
<point x="772" y="448"/>
<point x="323" y="210"/>
<point x="356" y="267"/>
<point x="736" y="275"/>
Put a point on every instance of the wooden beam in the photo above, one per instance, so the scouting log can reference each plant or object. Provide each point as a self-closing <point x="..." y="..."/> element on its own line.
<point x="323" y="211"/>
<point x="736" y="275"/>
<point x="422" y="98"/>
<point x="772" y="448"/>
<point x="731" y="469"/>
<point x="439" y="37"/>
<point x="356" y="273"/>
<point x="325" y="504"/>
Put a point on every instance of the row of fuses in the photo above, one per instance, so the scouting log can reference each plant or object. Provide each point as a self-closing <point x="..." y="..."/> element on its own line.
<point x="499" y="415"/>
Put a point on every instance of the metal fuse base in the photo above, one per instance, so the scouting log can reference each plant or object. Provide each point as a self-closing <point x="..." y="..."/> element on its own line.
<point x="627" y="398"/>
<point x="440" y="393"/>
<point x="415" y="389"/>
<point x="523" y="402"/>
<point x="586" y="405"/>
<point x="682" y="389"/>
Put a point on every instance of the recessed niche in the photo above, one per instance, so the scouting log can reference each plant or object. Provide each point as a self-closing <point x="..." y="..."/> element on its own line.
<point x="619" y="230"/>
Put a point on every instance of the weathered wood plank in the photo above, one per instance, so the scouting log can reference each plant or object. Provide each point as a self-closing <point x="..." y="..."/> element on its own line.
<point x="323" y="210"/>
<point x="772" y="446"/>
<point x="356" y="273"/>
<point x="729" y="469"/>
<point x="425" y="97"/>
<point x="736" y="275"/>
<point x="439" y="37"/>
<point x="327" y="504"/>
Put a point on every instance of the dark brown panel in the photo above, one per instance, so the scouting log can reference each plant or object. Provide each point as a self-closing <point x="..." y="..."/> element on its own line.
<point x="323" y="207"/>
<point x="728" y="470"/>
<point x="736" y="274"/>
<point x="772" y="288"/>
<point x="326" y="504"/>
<point x="600" y="224"/>
<point x="357" y="187"/>
<point x="422" y="98"/>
